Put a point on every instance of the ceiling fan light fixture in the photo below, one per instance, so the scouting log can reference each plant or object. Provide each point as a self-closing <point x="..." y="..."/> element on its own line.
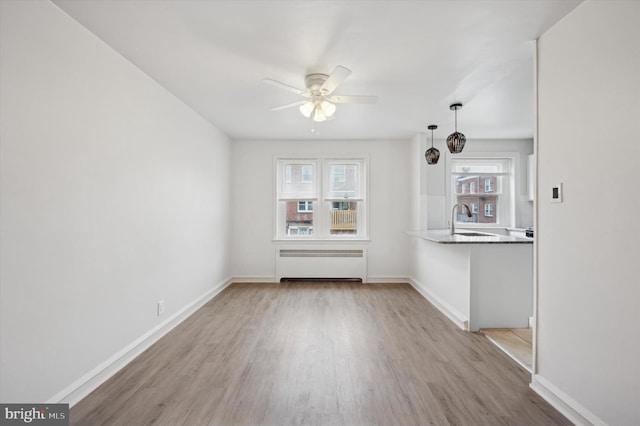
<point x="320" y="101"/>
<point x="456" y="140"/>
<point x="328" y="108"/>
<point x="319" y="115"/>
<point x="306" y="109"/>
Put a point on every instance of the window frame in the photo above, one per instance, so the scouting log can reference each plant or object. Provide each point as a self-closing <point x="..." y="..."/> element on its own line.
<point x="504" y="212"/>
<point x="322" y="199"/>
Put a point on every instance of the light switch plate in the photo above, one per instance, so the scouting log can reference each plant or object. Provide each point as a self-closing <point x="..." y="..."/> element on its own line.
<point x="556" y="193"/>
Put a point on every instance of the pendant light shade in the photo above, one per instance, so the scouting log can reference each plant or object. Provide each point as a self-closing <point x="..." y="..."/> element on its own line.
<point x="432" y="155"/>
<point x="456" y="140"/>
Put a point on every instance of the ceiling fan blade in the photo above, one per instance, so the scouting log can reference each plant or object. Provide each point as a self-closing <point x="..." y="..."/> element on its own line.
<point x="285" y="87"/>
<point x="291" y="105"/>
<point x="336" y="78"/>
<point x="352" y="99"/>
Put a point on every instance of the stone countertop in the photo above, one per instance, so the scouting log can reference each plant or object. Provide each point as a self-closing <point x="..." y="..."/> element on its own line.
<point x="443" y="236"/>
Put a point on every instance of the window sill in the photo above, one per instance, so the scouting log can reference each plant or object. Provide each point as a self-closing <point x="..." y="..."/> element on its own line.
<point x="321" y="241"/>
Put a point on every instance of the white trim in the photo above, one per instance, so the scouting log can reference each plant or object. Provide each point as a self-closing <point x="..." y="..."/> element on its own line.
<point x="86" y="384"/>
<point x="254" y="279"/>
<point x="299" y="199"/>
<point x="342" y="240"/>
<point x="456" y="317"/>
<point x="387" y="280"/>
<point x="534" y="347"/>
<point x="271" y="279"/>
<point x="562" y="402"/>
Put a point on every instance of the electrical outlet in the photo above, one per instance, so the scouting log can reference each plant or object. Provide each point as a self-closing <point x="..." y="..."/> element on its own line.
<point x="530" y="322"/>
<point x="160" y="307"/>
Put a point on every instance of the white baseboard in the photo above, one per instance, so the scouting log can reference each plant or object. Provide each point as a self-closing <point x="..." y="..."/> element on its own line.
<point x="86" y="384"/>
<point x="562" y="402"/>
<point x="272" y="279"/>
<point x="254" y="279"/>
<point x="385" y="280"/>
<point x="456" y="317"/>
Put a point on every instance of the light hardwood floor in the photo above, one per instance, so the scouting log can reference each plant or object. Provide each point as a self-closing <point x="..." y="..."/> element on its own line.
<point x="318" y="354"/>
<point x="517" y="342"/>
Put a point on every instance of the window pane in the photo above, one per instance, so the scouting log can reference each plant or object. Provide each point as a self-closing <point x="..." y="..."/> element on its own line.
<point x="299" y="218"/>
<point x="344" y="181"/>
<point x="307" y="173"/>
<point x="338" y="173"/>
<point x="484" y="184"/>
<point x="343" y="218"/>
<point x="477" y="192"/>
<point x="299" y="181"/>
<point x="483" y="208"/>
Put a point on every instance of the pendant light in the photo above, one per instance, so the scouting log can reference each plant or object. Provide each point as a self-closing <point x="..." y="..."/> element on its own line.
<point x="456" y="140"/>
<point x="432" y="154"/>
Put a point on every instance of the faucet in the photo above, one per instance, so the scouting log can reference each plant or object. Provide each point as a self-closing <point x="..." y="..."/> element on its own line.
<point x="453" y="212"/>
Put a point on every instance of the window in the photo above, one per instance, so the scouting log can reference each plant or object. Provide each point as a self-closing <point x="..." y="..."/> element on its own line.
<point x="321" y="198"/>
<point x="300" y="230"/>
<point x="305" y="206"/>
<point x="488" y="210"/>
<point x="340" y="205"/>
<point x="490" y="184"/>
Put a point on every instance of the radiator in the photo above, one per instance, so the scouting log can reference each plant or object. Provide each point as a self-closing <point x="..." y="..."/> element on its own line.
<point x="321" y="263"/>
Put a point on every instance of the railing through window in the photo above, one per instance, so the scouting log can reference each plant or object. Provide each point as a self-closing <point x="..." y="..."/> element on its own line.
<point x="344" y="220"/>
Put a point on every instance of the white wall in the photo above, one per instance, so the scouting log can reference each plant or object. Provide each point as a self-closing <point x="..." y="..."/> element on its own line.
<point x="588" y="283"/>
<point x="437" y="183"/>
<point x="114" y="196"/>
<point x="253" y="251"/>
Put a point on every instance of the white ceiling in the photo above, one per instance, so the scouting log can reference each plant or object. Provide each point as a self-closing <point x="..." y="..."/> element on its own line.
<point x="417" y="56"/>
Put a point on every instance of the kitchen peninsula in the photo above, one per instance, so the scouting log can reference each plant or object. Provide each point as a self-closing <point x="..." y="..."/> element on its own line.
<point x="479" y="280"/>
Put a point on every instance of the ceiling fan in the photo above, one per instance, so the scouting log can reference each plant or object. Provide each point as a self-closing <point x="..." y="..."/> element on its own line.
<point x="320" y="101"/>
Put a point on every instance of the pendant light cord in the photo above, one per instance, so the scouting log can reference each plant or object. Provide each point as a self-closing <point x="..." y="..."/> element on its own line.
<point x="455" y="112"/>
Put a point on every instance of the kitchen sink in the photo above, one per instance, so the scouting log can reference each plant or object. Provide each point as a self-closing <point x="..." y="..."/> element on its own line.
<point x="472" y="234"/>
